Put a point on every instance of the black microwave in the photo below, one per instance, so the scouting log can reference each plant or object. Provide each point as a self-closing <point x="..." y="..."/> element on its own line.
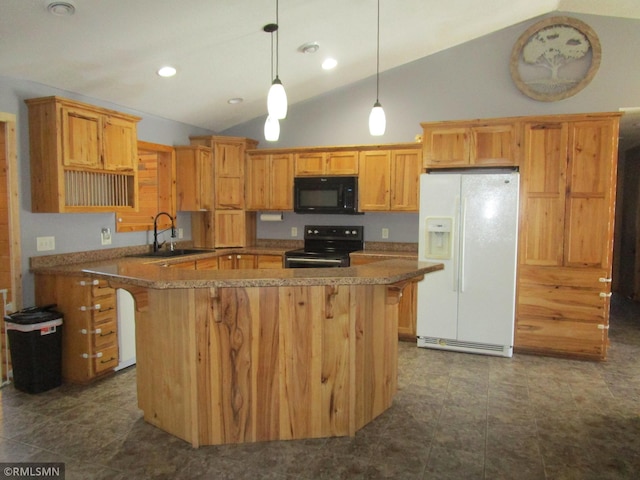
<point x="325" y="195"/>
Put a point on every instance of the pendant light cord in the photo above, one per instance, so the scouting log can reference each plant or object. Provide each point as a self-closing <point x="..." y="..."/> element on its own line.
<point x="278" y="38"/>
<point x="377" y="56"/>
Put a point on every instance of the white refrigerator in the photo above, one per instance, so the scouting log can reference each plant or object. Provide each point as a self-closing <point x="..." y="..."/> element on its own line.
<point x="468" y="222"/>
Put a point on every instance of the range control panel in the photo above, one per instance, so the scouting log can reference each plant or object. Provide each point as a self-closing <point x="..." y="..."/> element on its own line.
<point x="333" y="232"/>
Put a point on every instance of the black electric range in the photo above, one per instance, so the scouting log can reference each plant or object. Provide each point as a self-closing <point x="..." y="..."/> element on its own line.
<point x="326" y="246"/>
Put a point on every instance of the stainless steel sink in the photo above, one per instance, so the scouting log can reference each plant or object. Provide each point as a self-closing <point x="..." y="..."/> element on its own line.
<point x="172" y="253"/>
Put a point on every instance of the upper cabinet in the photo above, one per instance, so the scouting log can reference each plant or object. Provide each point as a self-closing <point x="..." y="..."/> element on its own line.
<point x="269" y="181"/>
<point x="228" y="161"/>
<point x="389" y="180"/>
<point x="479" y="143"/>
<point x="83" y="157"/>
<point x="194" y="178"/>
<point x="318" y="163"/>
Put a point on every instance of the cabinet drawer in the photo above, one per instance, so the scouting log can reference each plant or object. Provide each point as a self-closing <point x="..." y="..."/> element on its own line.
<point x="104" y="334"/>
<point x="106" y="359"/>
<point x="100" y="288"/>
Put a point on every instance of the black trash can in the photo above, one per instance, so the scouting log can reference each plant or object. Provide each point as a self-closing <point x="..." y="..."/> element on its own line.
<point x="35" y="341"/>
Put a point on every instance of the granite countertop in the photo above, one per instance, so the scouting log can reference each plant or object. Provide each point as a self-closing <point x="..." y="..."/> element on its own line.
<point x="153" y="273"/>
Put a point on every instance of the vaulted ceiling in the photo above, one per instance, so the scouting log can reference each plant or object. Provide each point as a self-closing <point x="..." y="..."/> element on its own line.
<point x="111" y="50"/>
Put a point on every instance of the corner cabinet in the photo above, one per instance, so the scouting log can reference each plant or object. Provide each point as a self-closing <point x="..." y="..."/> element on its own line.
<point x="567" y="200"/>
<point x="83" y="157"/>
<point x="469" y="143"/>
<point x="194" y="178"/>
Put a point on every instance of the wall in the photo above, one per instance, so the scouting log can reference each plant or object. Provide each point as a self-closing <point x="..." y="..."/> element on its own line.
<point x="76" y="232"/>
<point x="471" y="80"/>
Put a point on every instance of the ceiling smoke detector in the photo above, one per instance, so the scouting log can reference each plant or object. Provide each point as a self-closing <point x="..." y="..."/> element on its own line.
<point x="309" y="47"/>
<point x="61" y="9"/>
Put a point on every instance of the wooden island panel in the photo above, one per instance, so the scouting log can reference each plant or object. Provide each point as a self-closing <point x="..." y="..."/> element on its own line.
<point x="232" y="365"/>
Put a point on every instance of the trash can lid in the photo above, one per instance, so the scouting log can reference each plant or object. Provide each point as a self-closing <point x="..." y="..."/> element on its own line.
<point x="32" y="315"/>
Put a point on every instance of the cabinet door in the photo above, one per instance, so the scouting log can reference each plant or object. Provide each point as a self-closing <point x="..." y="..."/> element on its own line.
<point x="342" y="163"/>
<point x="81" y="138"/>
<point x="119" y="142"/>
<point x="258" y="182"/>
<point x="245" y="261"/>
<point x="494" y="145"/>
<point x="269" y="261"/>
<point x="207" y="264"/>
<point x="542" y="194"/>
<point x="588" y="240"/>
<point x="446" y="146"/>
<point x="194" y="178"/>
<point x="309" y="164"/>
<point x="229" y="170"/>
<point x="281" y="182"/>
<point x="374" y="181"/>
<point x="406" y="166"/>
<point x="226" y="262"/>
<point x="230" y="228"/>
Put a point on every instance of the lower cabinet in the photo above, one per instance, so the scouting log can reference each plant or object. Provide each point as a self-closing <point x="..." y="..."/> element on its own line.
<point x="90" y="324"/>
<point x="408" y="307"/>
<point x="243" y="260"/>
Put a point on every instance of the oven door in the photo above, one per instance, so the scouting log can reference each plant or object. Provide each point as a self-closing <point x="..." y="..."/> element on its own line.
<point x="294" y="261"/>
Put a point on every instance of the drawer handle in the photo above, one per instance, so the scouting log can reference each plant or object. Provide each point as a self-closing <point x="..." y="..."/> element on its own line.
<point x="84" y="308"/>
<point x="109" y="360"/>
<point x="110" y="332"/>
<point x="97" y="355"/>
<point x="605" y="295"/>
<point x="604" y="280"/>
<point x="84" y="283"/>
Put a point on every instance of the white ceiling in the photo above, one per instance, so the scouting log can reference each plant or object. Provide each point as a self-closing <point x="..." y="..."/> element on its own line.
<point x="110" y="50"/>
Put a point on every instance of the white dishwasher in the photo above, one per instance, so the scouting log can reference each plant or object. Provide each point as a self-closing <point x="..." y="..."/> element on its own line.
<point x="126" y="329"/>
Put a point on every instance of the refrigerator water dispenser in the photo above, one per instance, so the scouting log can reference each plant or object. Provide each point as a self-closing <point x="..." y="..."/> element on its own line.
<point x="439" y="237"/>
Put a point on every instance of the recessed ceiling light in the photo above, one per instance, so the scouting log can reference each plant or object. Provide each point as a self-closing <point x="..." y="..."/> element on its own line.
<point x="61" y="8"/>
<point x="235" y="100"/>
<point x="329" y="63"/>
<point x="167" y="71"/>
<point x="309" y="47"/>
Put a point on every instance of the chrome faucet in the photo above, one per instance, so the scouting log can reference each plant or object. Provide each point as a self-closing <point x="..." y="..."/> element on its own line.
<point x="157" y="245"/>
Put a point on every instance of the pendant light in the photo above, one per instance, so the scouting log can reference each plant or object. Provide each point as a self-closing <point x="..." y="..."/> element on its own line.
<point x="277" y="97"/>
<point x="377" y="119"/>
<point x="271" y="125"/>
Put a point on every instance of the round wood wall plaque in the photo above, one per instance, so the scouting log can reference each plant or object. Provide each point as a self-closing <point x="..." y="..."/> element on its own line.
<point x="555" y="58"/>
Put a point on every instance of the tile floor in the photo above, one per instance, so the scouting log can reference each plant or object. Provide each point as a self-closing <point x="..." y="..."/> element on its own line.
<point x="456" y="416"/>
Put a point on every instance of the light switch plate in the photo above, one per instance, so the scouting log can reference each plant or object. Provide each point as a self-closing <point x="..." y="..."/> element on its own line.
<point x="44" y="244"/>
<point x="105" y="236"/>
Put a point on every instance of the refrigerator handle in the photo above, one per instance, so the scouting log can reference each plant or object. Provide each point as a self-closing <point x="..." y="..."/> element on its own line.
<point x="463" y="223"/>
<point x="453" y="243"/>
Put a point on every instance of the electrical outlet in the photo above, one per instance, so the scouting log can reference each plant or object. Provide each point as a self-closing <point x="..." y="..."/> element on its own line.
<point x="180" y="233"/>
<point x="294" y="231"/>
<point x="44" y="244"/>
<point x="105" y="236"/>
<point x="385" y="233"/>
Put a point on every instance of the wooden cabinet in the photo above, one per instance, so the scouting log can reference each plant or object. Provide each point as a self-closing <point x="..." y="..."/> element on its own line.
<point x="235" y="261"/>
<point x="234" y="228"/>
<point x="229" y="170"/>
<point x="269" y="261"/>
<point x="389" y="180"/>
<point x="566" y="234"/>
<point x="194" y="178"/>
<point x="90" y="325"/>
<point x="408" y="306"/>
<point x="318" y="163"/>
<point x="480" y="143"/>
<point x="269" y="181"/>
<point x="210" y="263"/>
<point x="83" y="157"/>
<point x="156" y="189"/>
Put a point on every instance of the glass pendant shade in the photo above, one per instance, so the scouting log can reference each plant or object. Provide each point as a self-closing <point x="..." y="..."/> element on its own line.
<point x="271" y="129"/>
<point x="277" y="100"/>
<point x="377" y="120"/>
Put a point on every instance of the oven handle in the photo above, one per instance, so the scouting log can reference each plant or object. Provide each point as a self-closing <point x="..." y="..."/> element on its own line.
<point x="313" y="260"/>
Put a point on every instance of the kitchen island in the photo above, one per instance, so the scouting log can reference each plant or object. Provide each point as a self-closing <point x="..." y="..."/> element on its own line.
<point x="256" y="355"/>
